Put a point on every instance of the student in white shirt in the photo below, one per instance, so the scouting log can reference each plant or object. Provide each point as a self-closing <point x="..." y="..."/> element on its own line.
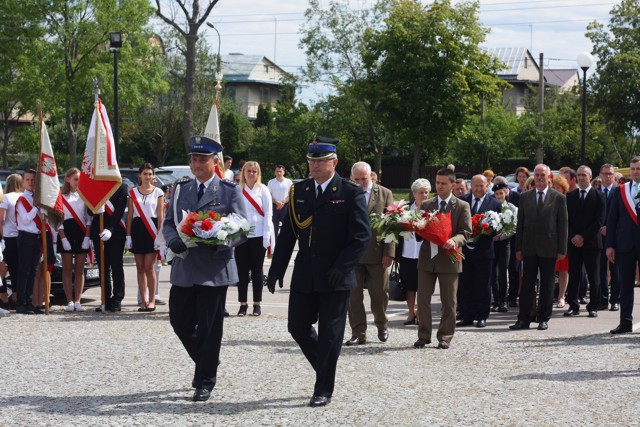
<point x="9" y="232"/>
<point x="279" y="188"/>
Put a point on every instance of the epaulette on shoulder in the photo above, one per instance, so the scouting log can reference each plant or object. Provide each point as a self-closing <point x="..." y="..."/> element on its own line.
<point x="349" y="182"/>
<point x="229" y="183"/>
<point x="183" y="181"/>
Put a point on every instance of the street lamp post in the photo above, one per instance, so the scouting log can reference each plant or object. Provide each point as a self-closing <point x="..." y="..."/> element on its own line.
<point x="115" y="43"/>
<point x="585" y="60"/>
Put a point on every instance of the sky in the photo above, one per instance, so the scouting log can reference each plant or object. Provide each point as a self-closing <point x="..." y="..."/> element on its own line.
<point x="271" y="28"/>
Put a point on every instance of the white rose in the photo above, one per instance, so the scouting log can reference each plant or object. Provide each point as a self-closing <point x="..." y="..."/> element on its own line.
<point x="390" y="238"/>
<point x="221" y="235"/>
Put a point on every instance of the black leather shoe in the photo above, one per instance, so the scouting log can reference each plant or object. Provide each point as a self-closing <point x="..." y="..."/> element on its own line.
<point x="615" y="307"/>
<point x="481" y="323"/>
<point x="226" y="313"/>
<point x="543" y="326"/>
<point x="37" y="310"/>
<point x="503" y="308"/>
<point x="512" y="303"/>
<point x="201" y="395"/>
<point x="317" y="401"/>
<point x="519" y="325"/>
<point x="21" y="309"/>
<point x="463" y="323"/>
<point x="355" y="341"/>
<point x="571" y="313"/>
<point x="603" y="306"/>
<point x="583" y="301"/>
<point x="444" y="345"/>
<point x="622" y="329"/>
<point x="593" y="313"/>
<point x="421" y="343"/>
<point x="383" y="334"/>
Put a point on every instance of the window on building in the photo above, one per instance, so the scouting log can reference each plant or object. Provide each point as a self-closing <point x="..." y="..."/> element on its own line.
<point x="265" y="96"/>
<point x="231" y="92"/>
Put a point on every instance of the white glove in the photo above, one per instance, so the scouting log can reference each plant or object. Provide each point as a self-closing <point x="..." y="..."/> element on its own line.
<point x="127" y="243"/>
<point x="266" y="242"/>
<point x="2" y="245"/>
<point x="65" y="244"/>
<point x="105" y="235"/>
<point x="85" y="242"/>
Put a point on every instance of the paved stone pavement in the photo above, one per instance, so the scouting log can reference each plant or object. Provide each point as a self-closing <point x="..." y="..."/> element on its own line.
<point x="130" y="369"/>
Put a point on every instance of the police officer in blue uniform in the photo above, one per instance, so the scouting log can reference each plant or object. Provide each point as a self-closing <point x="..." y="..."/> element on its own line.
<point x="201" y="275"/>
<point x="329" y="221"/>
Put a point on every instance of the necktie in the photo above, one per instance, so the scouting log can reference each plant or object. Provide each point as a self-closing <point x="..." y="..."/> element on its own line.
<point x="319" y="192"/>
<point x="475" y="207"/>
<point x="443" y="206"/>
<point x="606" y="193"/>
<point x="200" y="191"/>
<point x="540" y="200"/>
<point x="582" y="194"/>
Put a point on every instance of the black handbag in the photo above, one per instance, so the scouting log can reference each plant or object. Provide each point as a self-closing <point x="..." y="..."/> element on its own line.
<point x="396" y="288"/>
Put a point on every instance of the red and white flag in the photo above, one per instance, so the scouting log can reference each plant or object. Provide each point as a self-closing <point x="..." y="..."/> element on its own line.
<point x="47" y="194"/>
<point x="212" y="130"/>
<point x="99" y="175"/>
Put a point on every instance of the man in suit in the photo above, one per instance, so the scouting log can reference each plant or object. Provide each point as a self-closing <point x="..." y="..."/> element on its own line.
<point x="201" y="275"/>
<point x="329" y="221"/>
<point x="372" y="269"/>
<point x="609" y="283"/>
<point x="623" y="241"/>
<point x="586" y="211"/>
<point x="434" y="263"/>
<point x="541" y="239"/>
<point x="474" y="292"/>
<point x="113" y="235"/>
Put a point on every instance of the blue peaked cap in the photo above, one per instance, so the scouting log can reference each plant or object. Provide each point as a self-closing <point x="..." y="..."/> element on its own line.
<point x="321" y="147"/>
<point x="204" y="145"/>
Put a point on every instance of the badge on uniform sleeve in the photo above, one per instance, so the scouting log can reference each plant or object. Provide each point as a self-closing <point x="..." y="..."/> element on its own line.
<point x="306" y="189"/>
<point x="335" y="189"/>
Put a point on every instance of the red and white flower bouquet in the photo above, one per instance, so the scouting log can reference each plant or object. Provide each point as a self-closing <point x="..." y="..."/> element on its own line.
<point x="211" y="228"/>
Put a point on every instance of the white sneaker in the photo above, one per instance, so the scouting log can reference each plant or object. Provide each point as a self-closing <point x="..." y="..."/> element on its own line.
<point x="70" y="307"/>
<point x="4" y="312"/>
<point x="78" y="307"/>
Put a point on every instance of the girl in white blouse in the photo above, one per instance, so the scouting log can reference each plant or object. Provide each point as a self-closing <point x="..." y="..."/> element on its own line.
<point x="250" y="255"/>
<point x="146" y="213"/>
<point x="73" y="242"/>
<point x="9" y="232"/>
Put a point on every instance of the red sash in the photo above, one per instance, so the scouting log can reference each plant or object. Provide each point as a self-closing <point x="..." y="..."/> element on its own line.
<point x="625" y="194"/>
<point x="253" y="202"/>
<point x="28" y="207"/>
<point x="149" y="225"/>
<point x="110" y="210"/>
<point x="75" y="216"/>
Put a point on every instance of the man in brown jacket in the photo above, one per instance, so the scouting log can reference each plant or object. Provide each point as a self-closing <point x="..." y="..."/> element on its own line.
<point x="371" y="271"/>
<point x="434" y="264"/>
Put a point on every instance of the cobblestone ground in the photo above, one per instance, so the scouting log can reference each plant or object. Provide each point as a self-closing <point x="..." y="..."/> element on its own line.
<point x="130" y="369"/>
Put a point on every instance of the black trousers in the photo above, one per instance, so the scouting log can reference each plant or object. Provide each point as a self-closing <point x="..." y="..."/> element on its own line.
<point x="547" y="267"/>
<point x="249" y="260"/>
<point x="197" y="315"/>
<point x="609" y="290"/>
<point x="502" y="249"/>
<point x="113" y="268"/>
<point x="514" y="276"/>
<point x="474" y="290"/>
<point x="321" y="348"/>
<point x="590" y="260"/>
<point x="11" y="258"/>
<point x="627" y="262"/>
<point x="278" y="217"/>
<point x="30" y="247"/>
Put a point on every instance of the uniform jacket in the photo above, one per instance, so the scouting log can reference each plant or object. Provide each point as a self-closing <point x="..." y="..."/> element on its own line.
<point x="623" y="233"/>
<point x="586" y="217"/>
<point x="483" y="247"/>
<point x="460" y="232"/>
<point x="545" y="233"/>
<point x="337" y="237"/>
<point x="381" y="197"/>
<point x="203" y="265"/>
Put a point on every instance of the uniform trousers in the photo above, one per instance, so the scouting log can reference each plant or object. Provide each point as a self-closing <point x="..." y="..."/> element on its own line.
<point x="474" y="290"/>
<point x="609" y="289"/>
<point x="514" y="275"/>
<point x="547" y="267"/>
<point x="627" y="262"/>
<point x="113" y="268"/>
<point x="376" y="279"/>
<point x="30" y="246"/>
<point x="321" y="348"/>
<point x="249" y="260"/>
<point x="277" y="217"/>
<point x="579" y="260"/>
<point x="197" y="315"/>
<point x="502" y="249"/>
<point x="448" y="289"/>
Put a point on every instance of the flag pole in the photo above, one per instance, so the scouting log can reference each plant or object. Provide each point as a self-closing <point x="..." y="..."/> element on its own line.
<point x="96" y="98"/>
<point x="43" y="233"/>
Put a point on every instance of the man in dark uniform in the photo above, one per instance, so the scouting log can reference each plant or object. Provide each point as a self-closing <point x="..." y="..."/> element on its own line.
<point x="113" y="235"/>
<point x="328" y="219"/>
<point x="201" y="275"/>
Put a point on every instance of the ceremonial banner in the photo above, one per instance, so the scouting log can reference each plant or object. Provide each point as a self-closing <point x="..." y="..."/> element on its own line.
<point x="47" y="194"/>
<point x="212" y="130"/>
<point x="100" y="175"/>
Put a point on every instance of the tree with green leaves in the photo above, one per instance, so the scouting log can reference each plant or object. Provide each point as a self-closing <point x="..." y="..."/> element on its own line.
<point x="426" y="71"/>
<point x="618" y="75"/>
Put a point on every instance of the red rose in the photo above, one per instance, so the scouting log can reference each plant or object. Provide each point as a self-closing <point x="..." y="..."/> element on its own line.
<point x="213" y="215"/>
<point x="187" y="229"/>
<point x="206" y="225"/>
<point x="485" y="226"/>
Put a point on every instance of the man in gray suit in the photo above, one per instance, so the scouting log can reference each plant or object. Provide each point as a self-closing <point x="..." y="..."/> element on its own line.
<point x="541" y="240"/>
<point x="200" y="275"/>
<point x="371" y="270"/>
